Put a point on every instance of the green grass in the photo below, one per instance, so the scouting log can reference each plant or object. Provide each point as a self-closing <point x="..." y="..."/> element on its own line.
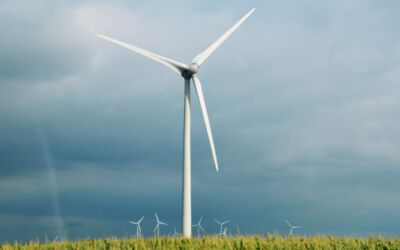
<point x="213" y="242"/>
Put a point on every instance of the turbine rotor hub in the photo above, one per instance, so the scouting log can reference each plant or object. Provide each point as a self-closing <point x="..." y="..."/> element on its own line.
<point x="193" y="69"/>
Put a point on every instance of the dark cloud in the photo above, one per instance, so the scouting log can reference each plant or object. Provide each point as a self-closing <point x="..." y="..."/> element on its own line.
<point x="40" y="42"/>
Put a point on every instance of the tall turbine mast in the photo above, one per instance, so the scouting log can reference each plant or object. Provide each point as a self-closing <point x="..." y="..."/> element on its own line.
<point x="189" y="73"/>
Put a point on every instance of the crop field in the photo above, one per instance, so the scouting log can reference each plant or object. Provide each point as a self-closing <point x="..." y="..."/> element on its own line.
<point x="214" y="242"/>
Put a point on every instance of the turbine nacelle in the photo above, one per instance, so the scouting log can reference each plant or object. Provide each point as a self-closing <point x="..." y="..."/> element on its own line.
<point x="192" y="69"/>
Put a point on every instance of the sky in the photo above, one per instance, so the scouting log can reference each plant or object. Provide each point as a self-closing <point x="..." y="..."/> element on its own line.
<point x="303" y="99"/>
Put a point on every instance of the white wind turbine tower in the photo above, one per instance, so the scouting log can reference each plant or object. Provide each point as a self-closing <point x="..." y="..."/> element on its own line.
<point x="199" y="227"/>
<point x="291" y="227"/>
<point x="138" y="228"/>
<point x="221" y="224"/>
<point x="188" y="72"/>
<point x="157" y="228"/>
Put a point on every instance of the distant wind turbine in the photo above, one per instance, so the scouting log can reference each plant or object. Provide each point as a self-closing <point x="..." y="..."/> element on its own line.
<point x="157" y="228"/>
<point x="199" y="227"/>
<point x="189" y="73"/>
<point x="291" y="227"/>
<point x="175" y="232"/>
<point x="221" y="224"/>
<point x="138" y="228"/>
<point x="224" y="233"/>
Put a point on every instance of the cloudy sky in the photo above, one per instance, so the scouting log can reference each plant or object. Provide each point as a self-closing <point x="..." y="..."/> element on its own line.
<point x="304" y="103"/>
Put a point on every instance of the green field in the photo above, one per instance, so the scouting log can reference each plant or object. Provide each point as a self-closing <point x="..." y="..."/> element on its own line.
<point x="213" y="242"/>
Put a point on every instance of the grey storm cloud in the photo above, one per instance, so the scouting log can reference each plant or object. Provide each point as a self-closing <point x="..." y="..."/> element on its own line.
<point x="303" y="101"/>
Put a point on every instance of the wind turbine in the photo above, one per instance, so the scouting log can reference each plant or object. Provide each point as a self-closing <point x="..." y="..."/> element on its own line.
<point x="199" y="227"/>
<point x="188" y="72"/>
<point x="158" y="225"/>
<point x="175" y="232"/>
<point x="138" y="228"/>
<point x="221" y="224"/>
<point x="291" y="227"/>
<point x="224" y="233"/>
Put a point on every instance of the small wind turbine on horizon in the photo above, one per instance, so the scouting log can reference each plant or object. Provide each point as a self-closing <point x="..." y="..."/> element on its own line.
<point x="175" y="232"/>
<point x="291" y="227"/>
<point x="157" y="228"/>
<point x="199" y="227"/>
<point x="138" y="228"/>
<point x="224" y="233"/>
<point x="189" y="73"/>
<point x="221" y="224"/>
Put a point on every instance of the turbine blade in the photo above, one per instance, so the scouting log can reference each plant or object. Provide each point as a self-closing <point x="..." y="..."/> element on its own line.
<point x="201" y="218"/>
<point x="174" y="65"/>
<point x="200" y="58"/>
<point x="158" y="221"/>
<point x="140" y="219"/>
<point x="287" y="222"/>
<point x="217" y="221"/>
<point x="202" y="229"/>
<point x="199" y="91"/>
<point x="225" y="222"/>
<point x="156" y="227"/>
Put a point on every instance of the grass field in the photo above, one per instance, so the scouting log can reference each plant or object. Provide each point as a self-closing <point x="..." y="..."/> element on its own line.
<point x="213" y="242"/>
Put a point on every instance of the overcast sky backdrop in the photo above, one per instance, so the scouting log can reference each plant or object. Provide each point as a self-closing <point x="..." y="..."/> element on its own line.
<point x="304" y="102"/>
